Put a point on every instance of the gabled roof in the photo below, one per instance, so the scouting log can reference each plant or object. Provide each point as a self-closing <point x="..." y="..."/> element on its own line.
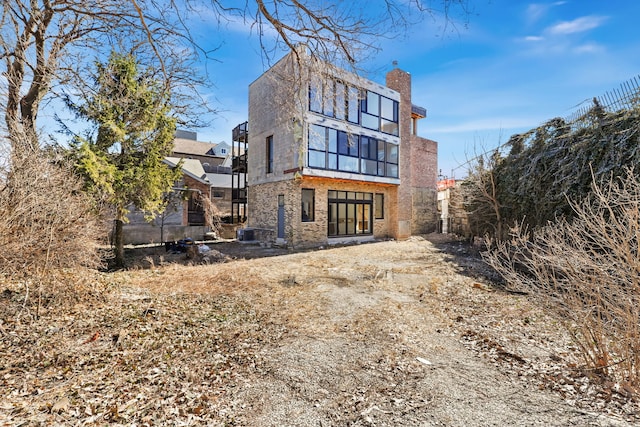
<point x="219" y="180"/>
<point x="190" y="167"/>
<point x="190" y="146"/>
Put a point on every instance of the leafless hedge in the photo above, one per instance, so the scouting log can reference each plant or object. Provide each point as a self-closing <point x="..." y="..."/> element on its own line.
<point x="588" y="272"/>
<point x="48" y="226"/>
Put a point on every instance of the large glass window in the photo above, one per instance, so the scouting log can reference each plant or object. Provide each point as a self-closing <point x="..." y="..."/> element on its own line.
<point x="334" y="98"/>
<point x="337" y="150"/>
<point x="308" y="205"/>
<point x="350" y="213"/>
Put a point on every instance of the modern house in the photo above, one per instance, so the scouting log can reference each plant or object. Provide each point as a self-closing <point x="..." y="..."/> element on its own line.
<point x="333" y="157"/>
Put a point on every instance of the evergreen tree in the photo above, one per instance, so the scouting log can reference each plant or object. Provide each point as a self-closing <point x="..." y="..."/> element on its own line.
<point x="123" y="162"/>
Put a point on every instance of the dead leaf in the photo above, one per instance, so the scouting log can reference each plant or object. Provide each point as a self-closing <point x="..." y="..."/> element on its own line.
<point x="94" y="337"/>
<point x="60" y="406"/>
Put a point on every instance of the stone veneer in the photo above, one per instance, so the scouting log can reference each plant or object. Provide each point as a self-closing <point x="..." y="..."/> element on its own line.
<point x="305" y="234"/>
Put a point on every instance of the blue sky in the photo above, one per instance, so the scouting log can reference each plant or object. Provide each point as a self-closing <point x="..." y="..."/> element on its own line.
<point x="513" y="66"/>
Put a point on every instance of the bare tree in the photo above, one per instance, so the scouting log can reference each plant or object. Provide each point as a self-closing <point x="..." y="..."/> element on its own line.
<point x="45" y="43"/>
<point x="481" y="196"/>
<point x="586" y="271"/>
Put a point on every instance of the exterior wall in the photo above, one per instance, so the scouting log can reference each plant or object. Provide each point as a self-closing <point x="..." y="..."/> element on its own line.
<point x="270" y="115"/>
<point x="222" y="203"/>
<point x="263" y="200"/>
<point x="424" y="173"/>
<point x="401" y="81"/>
<point x="417" y="204"/>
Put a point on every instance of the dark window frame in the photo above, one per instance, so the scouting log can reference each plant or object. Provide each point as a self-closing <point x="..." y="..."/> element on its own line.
<point x="308" y="213"/>
<point x="269" y="149"/>
<point x="352" y="153"/>
<point x="349" y="201"/>
<point x="378" y="206"/>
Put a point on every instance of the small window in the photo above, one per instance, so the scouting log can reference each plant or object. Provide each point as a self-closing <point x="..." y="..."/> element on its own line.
<point x="270" y="154"/>
<point x="217" y="194"/>
<point x="223" y="151"/>
<point x="379" y="206"/>
<point x="308" y="205"/>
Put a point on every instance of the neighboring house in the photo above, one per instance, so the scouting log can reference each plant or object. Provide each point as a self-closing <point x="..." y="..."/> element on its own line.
<point x="206" y="171"/>
<point x="445" y="189"/>
<point x="349" y="166"/>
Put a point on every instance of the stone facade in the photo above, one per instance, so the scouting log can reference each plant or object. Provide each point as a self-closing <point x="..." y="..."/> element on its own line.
<point x="298" y="233"/>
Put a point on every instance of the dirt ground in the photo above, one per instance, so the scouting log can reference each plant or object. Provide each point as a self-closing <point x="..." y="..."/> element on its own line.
<point x="412" y="333"/>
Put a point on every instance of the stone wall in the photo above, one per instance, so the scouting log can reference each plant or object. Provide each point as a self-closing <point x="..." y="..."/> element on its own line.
<point x="263" y="200"/>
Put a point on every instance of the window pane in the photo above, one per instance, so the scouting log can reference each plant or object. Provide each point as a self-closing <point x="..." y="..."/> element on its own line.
<point x="364" y="147"/>
<point x="269" y="154"/>
<point x="317" y="159"/>
<point x="343" y="143"/>
<point x="342" y="218"/>
<point x="317" y="140"/>
<point x="328" y="98"/>
<point x="373" y="103"/>
<point x="352" y="104"/>
<point x="368" y="167"/>
<point x="340" y="101"/>
<point x="392" y="171"/>
<point x="389" y="127"/>
<point x="369" y="121"/>
<point x="363" y="218"/>
<point x="351" y="218"/>
<point x="333" y="219"/>
<point x="308" y="205"/>
<point x="392" y="153"/>
<point x="381" y="152"/>
<point x="332" y="162"/>
<point x="380" y="168"/>
<point x="315" y="96"/>
<point x="332" y="194"/>
<point x="354" y="145"/>
<point x="333" y="141"/>
<point x="379" y="206"/>
<point x="348" y="163"/>
<point x="387" y="110"/>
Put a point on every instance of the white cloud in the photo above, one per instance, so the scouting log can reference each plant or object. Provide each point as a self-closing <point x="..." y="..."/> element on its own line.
<point x="533" y="38"/>
<point x="535" y="11"/>
<point x="589" y="48"/>
<point x="578" y="25"/>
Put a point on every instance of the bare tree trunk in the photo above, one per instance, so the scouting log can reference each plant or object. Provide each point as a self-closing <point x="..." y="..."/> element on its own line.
<point x="118" y="244"/>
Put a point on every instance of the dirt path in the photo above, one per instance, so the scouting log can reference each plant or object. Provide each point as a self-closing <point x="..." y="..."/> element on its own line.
<point x="380" y="344"/>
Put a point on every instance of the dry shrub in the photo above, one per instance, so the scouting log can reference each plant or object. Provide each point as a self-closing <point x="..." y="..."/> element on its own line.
<point x="48" y="226"/>
<point x="587" y="271"/>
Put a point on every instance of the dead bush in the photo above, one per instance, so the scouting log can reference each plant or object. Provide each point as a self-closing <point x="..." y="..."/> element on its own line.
<point x="587" y="271"/>
<point x="48" y="226"/>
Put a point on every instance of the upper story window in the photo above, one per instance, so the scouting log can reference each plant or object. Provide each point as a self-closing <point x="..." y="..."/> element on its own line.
<point x="338" y="150"/>
<point x="269" y="150"/>
<point x="334" y="98"/>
